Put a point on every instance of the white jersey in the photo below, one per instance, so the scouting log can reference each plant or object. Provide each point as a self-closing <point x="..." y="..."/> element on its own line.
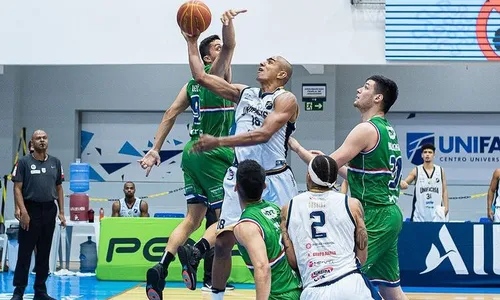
<point x="322" y="229"/>
<point x="428" y="195"/>
<point x="135" y="211"/>
<point x="251" y="111"/>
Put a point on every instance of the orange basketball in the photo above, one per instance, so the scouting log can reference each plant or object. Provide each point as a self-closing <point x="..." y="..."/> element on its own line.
<point x="194" y="15"/>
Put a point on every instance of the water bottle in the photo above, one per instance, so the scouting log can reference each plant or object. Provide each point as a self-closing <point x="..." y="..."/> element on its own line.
<point x="91" y="216"/>
<point x="79" y="179"/>
<point x="88" y="256"/>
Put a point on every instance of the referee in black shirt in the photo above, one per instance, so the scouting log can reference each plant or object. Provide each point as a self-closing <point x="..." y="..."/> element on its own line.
<point x="37" y="181"/>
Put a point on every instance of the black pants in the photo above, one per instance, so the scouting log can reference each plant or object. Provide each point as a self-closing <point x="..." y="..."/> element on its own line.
<point x="39" y="234"/>
<point x="209" y="256"/>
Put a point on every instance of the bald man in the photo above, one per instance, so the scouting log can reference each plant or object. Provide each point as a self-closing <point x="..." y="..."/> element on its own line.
<point x="37" y="179"/>
<point x="265" y="118"/>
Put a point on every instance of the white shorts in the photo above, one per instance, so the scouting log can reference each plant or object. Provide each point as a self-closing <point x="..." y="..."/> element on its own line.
<point x="351" y="287"/>
<point x="281" y="187"/>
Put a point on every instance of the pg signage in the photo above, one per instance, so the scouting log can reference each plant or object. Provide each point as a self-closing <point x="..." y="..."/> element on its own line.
<point x="128" y="247"/>
<point x="450" y="254"/>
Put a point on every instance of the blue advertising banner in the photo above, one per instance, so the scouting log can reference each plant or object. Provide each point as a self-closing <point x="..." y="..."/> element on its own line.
<point x="442" y="30"/>
<point x="450" y="254"/>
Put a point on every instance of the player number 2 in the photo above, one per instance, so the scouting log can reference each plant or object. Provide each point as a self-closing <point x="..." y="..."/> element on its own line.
<point x="396" y="164"/>
<point x="316" y="224"/>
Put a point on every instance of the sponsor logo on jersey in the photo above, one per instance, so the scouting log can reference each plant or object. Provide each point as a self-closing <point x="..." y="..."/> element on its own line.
<point x="321" y="274"/>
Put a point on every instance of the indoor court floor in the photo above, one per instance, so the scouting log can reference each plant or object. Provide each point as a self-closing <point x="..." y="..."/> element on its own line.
<point x="89" y="288"/>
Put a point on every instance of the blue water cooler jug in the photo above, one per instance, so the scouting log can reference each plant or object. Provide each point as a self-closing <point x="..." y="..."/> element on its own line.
<point x="79" y="179"/>
<point x="88" y="256"/>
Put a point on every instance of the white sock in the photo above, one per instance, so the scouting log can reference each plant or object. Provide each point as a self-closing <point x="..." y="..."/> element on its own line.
<point x="218" y="296"/>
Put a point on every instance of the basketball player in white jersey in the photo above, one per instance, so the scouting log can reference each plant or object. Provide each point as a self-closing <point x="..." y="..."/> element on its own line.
<point x="493" y="199"/>
<point x="325" y="237"/>
<point x="130" y="206"/>
<point x="430" y="199"/>
<point x="265" y="118"/>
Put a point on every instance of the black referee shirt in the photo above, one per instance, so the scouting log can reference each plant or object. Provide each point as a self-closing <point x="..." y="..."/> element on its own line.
<point x="39" y="178"/>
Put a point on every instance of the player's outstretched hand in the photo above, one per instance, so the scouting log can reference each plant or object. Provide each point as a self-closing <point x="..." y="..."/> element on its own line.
<point x="149" y="160"/>
<point x="228" y="15"/>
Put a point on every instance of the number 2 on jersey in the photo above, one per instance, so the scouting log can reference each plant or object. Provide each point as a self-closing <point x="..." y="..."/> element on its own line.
<point x="396" y="164"/>
<point x="316" y="224"/>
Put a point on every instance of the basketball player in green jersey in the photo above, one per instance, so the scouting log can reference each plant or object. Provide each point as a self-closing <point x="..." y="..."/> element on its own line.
<point x="371" y="160"/>
<point x="203" y="172"/>
<point x="258" y="234"/>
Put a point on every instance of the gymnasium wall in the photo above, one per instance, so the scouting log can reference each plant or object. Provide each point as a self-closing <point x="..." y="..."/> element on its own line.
<point x="9" y="114"/>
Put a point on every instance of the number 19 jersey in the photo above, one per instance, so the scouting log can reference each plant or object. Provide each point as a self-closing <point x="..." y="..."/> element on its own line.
<point x="374" y="176"/>
<point x="322" y="229"/>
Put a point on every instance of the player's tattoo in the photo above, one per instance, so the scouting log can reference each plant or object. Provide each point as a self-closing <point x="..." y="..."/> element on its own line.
<point x="284" y="233"/>
<point x="361" y="238"/>
<point x="361" y="234"/>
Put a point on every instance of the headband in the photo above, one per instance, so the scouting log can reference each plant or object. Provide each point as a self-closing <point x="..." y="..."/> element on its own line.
<point x="316" y="179"/>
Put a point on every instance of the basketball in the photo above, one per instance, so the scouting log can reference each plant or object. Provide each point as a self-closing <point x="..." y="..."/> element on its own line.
<point x="194" y="16"/>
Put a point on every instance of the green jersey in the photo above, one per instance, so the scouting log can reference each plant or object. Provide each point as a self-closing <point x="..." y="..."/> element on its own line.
<point x="267" y="216"/>
<point x="374" y="175"/>
<point x="212" y="114"/>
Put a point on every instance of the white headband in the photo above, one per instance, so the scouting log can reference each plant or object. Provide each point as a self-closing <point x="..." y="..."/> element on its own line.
<point x="316" y="179"/>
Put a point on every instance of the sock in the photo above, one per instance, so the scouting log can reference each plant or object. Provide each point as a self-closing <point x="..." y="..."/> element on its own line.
<point x="203" y="246"/>
<point x="217" y="294"/>
<point x="166" y="259"/>
<point x="208" y="262"/>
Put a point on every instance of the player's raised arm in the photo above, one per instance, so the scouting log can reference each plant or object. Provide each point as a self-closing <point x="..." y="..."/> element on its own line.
<point x="216" y="84"/>
<point x="222" y="65"/>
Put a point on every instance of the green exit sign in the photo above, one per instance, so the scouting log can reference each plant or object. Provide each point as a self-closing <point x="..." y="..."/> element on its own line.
<point x="312" y="106"/>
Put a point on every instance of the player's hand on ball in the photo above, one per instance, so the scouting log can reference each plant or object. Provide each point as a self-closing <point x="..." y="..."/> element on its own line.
<point x="206" y="142"/>
<point x="228" y="15"/>
<point x="191" y="37"/>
